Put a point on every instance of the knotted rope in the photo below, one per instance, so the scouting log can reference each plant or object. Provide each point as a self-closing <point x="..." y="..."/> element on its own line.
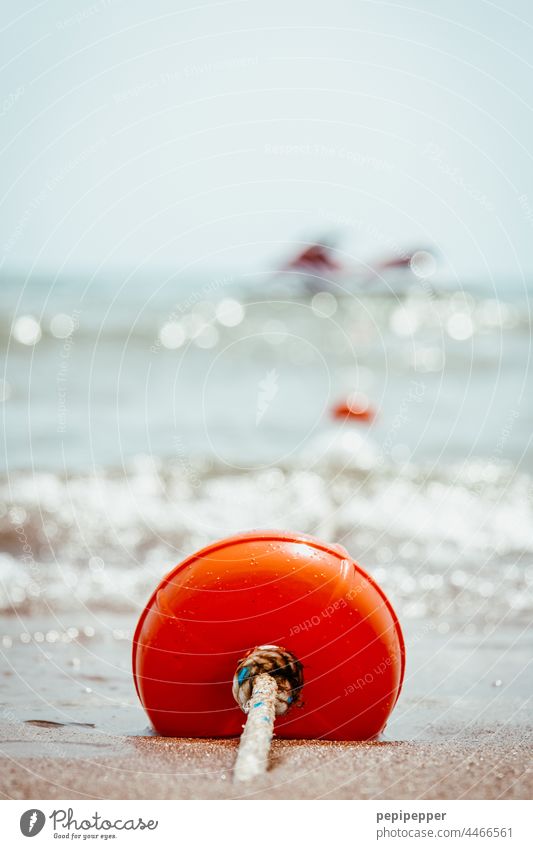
<point x="267" y="682"/>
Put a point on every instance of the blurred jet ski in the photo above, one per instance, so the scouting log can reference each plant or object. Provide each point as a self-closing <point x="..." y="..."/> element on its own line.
<point x="316" y="265"/>
<point x="318" y="268"/>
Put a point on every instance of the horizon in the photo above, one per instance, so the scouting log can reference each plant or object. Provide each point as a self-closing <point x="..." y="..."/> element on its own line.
<point x="264" y="129"/>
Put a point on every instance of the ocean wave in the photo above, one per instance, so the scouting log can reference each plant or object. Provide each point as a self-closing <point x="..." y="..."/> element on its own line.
<point x="175" y="320"/>
<point x="451" y="544"/>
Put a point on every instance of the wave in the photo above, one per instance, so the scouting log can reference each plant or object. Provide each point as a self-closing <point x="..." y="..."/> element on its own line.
<point x="451" y="544"/>
<point x="173" y="320"/>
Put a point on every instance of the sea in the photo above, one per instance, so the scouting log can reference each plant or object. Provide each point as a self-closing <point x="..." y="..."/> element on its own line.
<point x="144" y="416"/>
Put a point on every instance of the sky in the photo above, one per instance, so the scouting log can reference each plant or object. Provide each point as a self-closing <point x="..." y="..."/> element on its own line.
<point x="198" y="135"/>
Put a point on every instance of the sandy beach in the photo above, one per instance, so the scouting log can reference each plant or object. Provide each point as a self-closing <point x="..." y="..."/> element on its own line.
<point x="498" y="767"/>
<point x="72" y="728"/>
<point x="266" y="272"/>
<point x="437" y="509"/>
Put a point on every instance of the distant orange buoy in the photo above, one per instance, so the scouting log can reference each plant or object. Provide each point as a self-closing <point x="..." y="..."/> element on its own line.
<point x="356" y="406"/>
<point x="277" y="602"/>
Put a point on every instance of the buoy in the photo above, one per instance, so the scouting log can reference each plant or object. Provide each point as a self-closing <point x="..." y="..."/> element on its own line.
<point x="263" y="607"/>
<point x="355" y="406"/>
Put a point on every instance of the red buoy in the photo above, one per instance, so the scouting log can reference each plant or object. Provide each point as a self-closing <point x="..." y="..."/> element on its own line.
<point x="269" y="588"/>
<point x="356" y="406"/>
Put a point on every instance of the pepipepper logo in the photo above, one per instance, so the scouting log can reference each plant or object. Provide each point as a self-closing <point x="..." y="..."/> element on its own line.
<point x="32" y="822"/>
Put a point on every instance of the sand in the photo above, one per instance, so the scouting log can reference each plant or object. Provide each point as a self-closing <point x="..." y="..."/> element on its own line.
<point x="157" y="768"/>
<point x="71" y="728"/>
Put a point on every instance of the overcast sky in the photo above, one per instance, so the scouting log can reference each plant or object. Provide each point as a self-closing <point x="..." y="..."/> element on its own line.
<point x="215" y="134"/>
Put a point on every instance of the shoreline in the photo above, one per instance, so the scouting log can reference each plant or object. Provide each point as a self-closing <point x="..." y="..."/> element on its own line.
<point x="168" y="768"/>
<point x="71" y="727"/>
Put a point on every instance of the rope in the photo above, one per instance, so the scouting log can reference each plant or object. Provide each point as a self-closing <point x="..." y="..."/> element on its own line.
<point x="267" y="682"/>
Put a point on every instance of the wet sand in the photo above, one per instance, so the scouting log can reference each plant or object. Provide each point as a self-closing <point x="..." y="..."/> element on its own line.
<point x="71" y="726"/>
<point x="498" y="767"/>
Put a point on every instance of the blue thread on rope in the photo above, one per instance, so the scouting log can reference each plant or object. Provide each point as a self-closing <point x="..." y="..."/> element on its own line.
<point x="243" y="675"/>
<point x="258" y="704"/>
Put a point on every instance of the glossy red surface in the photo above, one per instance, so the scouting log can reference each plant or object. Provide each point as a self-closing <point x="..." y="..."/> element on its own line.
<point x="351" y="410"/>
<point x="278" y="588"/>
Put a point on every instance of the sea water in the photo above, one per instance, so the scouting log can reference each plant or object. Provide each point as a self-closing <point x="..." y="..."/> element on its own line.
<point x="146" y="416"/>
